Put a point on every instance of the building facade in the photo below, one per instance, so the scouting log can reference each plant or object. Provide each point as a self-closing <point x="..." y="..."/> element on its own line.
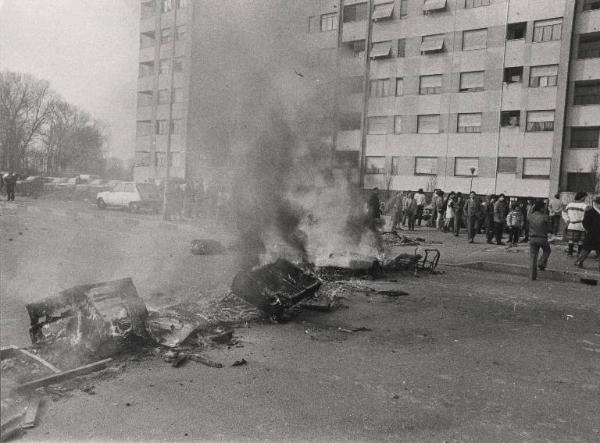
<point x="498" y="96"/>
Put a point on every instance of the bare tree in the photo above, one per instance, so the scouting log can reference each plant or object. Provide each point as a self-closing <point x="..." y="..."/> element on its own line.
<point x="26" y="104"/>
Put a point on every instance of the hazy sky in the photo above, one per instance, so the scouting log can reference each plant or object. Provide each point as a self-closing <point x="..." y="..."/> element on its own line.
<point x="87" y="49"/>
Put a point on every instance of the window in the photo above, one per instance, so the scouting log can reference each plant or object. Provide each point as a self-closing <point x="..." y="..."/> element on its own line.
<point x="399" y="87"/>
<point x="142" y="158"/>
<point x="587" y="92"/>
<point x="398" y="124"/>
<point x="161" y="126"/>
<point x="428" y="124"/>
<point x="431" y="44"/>
<point x="165" y="35"/>
<point x="547" y="30"/>
<point x="163" y="66"/>
<point x="507" y="165"/>
<point x="313" y="24"/>
<point x="396" y="165"/>
<point x="177" y="126"/>
<point x="510" y="119"/>
<point x="403" y="8"/>
<point x="144" y="98"/>
<point x="329" y="22"/>
<point x="163" y="96"/>
<point x="516" y="31"/>
<point x="589" y="45"/>
<point x="513" y="75"/>
<point x="381" y="49"/>
<point x="430" y="84"/>
<point x="178" y="95"/>
<point x="146" y="69"/>
<point x="471" y="81"/>
<point x="539" y="121"/>
<point x="476" y="3"/>
<point x="430" y="6"/>
<point x="167" y="5"/>
<point x="383" y="11"/>
<point x="147" y="39"/>
<point x="160" y="159"/>
<point x="374" y="165"/>
<point x="581" y="181"/>
<point x="464" y="165"/>
<point x="353" y="85"/>
<point x="469" y="123"/>
<point x="475" y="39"/>
<point x="536" y="167"/>
<point x="401" y="47"/>
<point x="543" y="76"/>
<point x="178" y="64"/>
<point x="377" y="125"/>
<point x="380" y="88"/>
<point x="180" y="32"/>
<point x="426" y="165"/>
<point x="358" y="48"/>
<point x="147" y="9"/>
<point x="349" y="121"/>
<point x="585" y="138"/>
<point x="591" y="5"/>
<point x="355" y="13"/>
<point x="143" y="128"/>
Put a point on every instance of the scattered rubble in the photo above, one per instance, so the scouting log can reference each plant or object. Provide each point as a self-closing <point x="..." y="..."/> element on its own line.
<point x="241" y="362"/>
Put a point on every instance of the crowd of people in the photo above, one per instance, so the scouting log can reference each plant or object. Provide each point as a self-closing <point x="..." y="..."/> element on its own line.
<point x="521" y="220"/>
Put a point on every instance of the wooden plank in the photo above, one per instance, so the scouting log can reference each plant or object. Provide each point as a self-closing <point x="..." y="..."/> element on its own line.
<point x="82" y="370"/>
<point x="40" y="360"/>
<point x="31" y="414"/>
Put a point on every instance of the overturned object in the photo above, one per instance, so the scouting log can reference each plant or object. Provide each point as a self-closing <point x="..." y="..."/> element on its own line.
<point x="275" y="287"/>
<point x="346" y="265"/>
<point x="98" y="318"/>
<point x="207" y="247"/>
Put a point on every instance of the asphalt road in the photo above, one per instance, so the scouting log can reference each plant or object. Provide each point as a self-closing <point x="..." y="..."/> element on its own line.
<point x="467" y="356"/>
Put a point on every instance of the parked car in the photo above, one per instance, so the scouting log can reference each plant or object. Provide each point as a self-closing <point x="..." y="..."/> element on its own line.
<point x="132" y="196"/>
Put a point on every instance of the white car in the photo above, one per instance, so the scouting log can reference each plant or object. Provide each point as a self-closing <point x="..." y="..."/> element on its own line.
<point x="132" y="196"/>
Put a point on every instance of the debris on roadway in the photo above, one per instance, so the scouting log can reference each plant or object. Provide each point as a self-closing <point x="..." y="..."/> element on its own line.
<point x="207" y="247"/>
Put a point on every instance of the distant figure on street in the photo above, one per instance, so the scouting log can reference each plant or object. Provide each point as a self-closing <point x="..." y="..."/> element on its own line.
<point x="500" y="213"/>
<point x="472" y="211"/>
<point x="573" y="216"/>
<point x="539" y="226"/>
<point x="420" y="199"/>
<point x="438" y="209"/>
<point x="555" y="206"/>
<point x="450" y="203"/>
<point x="591" y="224"/>
<point x="396" y="211"/>
<point x="374" y="205"/>
<point x="489" y="218"/>
<point x="10" y="181"/>
<point x="514" y="222"/>
<point x="458" y="213"/>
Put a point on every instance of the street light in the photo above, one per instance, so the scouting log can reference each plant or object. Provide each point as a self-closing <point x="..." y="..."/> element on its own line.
<point x="472" y="175"/>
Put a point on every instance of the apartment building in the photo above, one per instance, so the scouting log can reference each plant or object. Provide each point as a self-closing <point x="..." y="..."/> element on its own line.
<point x="491" y="95"/>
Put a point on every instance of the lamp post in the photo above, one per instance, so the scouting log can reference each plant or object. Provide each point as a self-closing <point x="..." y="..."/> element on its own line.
<point x="472" y="176"/>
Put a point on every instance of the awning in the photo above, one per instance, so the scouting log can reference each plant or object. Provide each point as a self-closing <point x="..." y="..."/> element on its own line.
<point x="382" y="11"/>
<point x="381" y="49"/>
<point x="433" y="44"/>
<point x="434" y="5"/>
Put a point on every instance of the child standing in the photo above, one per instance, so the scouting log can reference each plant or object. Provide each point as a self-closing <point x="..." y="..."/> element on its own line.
<point x="514" y="222"/>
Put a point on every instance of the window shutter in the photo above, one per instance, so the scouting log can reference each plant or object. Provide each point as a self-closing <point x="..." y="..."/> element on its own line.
<point x="469" y="119"/>
<point x="539" y="71"/>
<point x="463" y="165"/>
<point x="431" y="81"/>
<point x="476" y="39"/>
<point x="426" y="165"/>
<point x="536" y="167"/>
<point x="471" y="80"/>
<point x="540" y="116"/>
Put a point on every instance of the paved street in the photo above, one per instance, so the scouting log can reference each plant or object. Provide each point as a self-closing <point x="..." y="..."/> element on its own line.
<point x="466" y="356"/>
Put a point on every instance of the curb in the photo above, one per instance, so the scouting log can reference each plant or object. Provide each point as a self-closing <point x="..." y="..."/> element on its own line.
<point x="549" y="274"/>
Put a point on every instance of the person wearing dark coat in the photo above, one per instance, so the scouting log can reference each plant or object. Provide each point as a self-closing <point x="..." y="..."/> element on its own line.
<point x="10" y="181"/>
<point x="500" y="213"/>
<point x="539" y="227"/>
<point x="472" y="212"/>
<point x="374" y="205"/>
<point x="591" y="224"/>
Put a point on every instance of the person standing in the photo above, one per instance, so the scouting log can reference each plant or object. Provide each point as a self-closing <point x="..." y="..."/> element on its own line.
<point x="438" y="207"/>
<point x="573" y="215"/>
<point x="411" y="212"/>
<point x="500" y="213"/>
<point x="396" y="211"/>
<point x="591" y="224"/>
<point x="374" y="205"/>
<point x="555" y="206"/>
<point x="539" y="226"/>
<point x="458" y="213"/>
<point x="10" y="181"/>
<point x="449" y="212"/>
<point x="489" y="218"/>
<point x="472" y="211"/>
<point x="514" y="222"/>
<point x="420" y="200"/>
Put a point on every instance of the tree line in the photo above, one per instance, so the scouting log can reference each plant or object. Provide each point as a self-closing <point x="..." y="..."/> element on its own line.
<point x="40" y="133"/>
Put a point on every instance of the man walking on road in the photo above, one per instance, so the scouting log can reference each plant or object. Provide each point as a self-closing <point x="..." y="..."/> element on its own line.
<point x="472" y="212"/>
<point x="10" y="181"/>
<point x="574" y="218"/>
<point x="591" y="224"/>
<point x="555" y="206"/>
<point x="539" y="226"/>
